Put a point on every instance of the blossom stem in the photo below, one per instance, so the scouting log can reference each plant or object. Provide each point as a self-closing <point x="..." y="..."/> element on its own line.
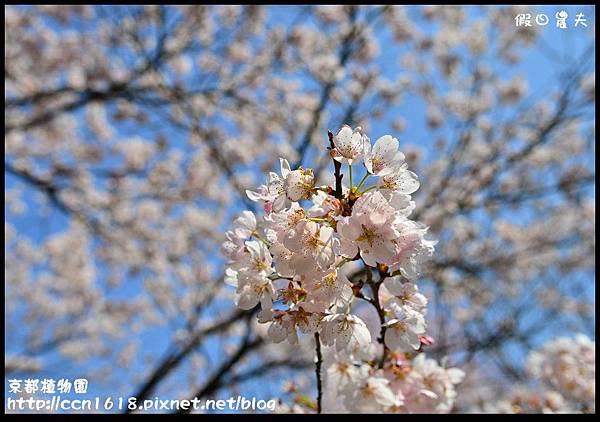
<point x="368" y="189"/>
<point x="262" y="239"/>
<point x="318" y="372"/>
<point x="276" y="276"/>
<point x="350" y="174"/>
<point x="343" y="262"/>
<point x="362" y="181"/>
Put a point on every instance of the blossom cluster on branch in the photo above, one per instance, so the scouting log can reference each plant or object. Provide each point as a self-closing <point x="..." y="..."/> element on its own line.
<point x="566" y="369"/>
<point x="291" y="260"/>
<point x="132" y="134"/>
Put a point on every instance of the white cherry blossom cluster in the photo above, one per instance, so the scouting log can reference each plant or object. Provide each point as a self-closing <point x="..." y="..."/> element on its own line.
<point x="402" y="385"/>
<point x="568" y="366"/>
<point x="564" y="371"/>
<point x="291" y="260"/>
<point x="110" y="129"/>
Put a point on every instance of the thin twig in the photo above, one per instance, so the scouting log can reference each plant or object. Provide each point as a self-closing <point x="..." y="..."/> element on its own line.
<point x="380" y="311"/>
<point x="318" y="371"/>
<point x="338" y="166"/>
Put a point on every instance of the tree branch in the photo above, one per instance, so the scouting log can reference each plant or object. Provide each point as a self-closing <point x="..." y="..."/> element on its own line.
<point x="337" y="165"/>
<point x="215" y="381"/>
<point x="173" y="359"/>
<point x="318" y="372"/>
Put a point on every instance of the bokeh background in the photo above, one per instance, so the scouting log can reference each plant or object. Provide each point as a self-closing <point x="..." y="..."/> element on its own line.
<point x="132" y="133"/>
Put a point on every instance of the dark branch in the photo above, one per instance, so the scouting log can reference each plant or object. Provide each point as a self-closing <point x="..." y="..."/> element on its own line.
<point x="338" y="166"/>
<point x="318" y="372"/>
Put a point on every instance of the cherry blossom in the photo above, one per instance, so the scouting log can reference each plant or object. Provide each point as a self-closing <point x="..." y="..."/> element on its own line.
<point x="399" y="179"/>
<point x="431" y="386"/>
<point x="295" y="258"/>
<point x="311" y="244"/>
<point x="332" y="289"/>
<point x="324" y="204"/>
<point x="124" y="167"/>
<point x="262" y="195"/>
<point x="350" y="145"/>
<point x="369" y="230"/>
<point x="567" y="365"/>
<point x="405" y="296"/>
<point x="370" y="393"/>
<point x="299" y="184"/>
<point x="563" y="373"/>
<point x="277" y="186"/>
<point x="384" y="157"/>
<point x="403" y="334"/>
<point x="344" y="331"/>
